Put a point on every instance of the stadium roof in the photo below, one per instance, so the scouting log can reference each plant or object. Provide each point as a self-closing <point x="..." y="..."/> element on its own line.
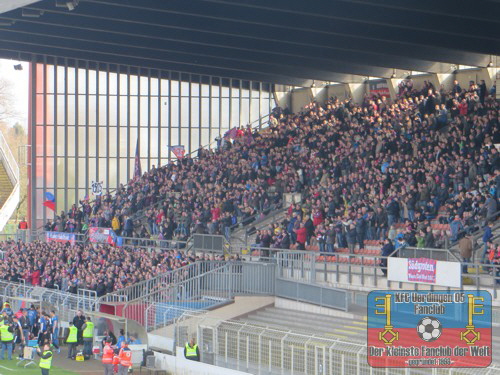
<point x="281" y="41"/>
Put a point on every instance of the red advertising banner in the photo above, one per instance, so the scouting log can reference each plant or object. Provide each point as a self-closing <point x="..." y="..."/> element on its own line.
<point x="422" y="270"/>
<point x="102" y="235"/>
<point x="379" y="88"/>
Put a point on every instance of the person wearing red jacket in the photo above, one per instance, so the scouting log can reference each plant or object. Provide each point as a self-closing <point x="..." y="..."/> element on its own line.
<point x="463" y="107"/>
<point x="35" y="277"/>
<point x="301" y="233"/>
<point x="317" y="217"/>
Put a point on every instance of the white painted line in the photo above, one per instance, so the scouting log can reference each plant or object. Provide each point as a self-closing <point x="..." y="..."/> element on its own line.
<point x="6" y="368"/>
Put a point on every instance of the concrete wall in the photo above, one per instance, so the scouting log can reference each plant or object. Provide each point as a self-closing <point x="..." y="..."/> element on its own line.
<point x="180" y="366"/>
<point x="464" y="76"/>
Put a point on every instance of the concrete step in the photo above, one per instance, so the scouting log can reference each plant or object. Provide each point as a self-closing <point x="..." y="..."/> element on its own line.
<point x="360" y="317"/>
<point x="322" y="322"/>
<point x="334" y="333"/>
<point x="293" y="319"/>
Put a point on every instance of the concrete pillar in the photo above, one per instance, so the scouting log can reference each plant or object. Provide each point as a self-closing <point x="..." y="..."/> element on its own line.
<point x="445" y="79"/>
<point x="357" y="91"/>
<point x="282" y="98"/>
<point x="320" y="94"/>
<point x="300" y="98"/>
<point x="392" y="84"/>
<point x="339" y="90"/>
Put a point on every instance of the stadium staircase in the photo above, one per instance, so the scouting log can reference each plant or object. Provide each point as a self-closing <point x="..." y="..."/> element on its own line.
<point x="9" y="183"/>
<point x="343" y="328"/>
<point x="5" y="185"/>
<point x="244" y="235"/>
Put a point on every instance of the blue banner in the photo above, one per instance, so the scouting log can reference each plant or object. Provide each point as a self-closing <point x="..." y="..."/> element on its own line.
<point x="60" y="237"/>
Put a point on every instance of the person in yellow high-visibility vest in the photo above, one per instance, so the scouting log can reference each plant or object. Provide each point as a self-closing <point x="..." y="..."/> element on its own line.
<point x="7" y="338"/>
<point x="88" y="337"/>
<point x="72" y="340"/>
<point x="45" y="359"/>
<point x="191" y="351"/>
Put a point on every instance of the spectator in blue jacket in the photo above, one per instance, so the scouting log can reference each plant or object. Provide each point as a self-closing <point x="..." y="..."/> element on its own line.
<point x="487" y="236"/>
<point x="456" y="227"/>
<point x="387" y="249"/>
<point x="32" y="319"/>
<point x="121" y="339"/>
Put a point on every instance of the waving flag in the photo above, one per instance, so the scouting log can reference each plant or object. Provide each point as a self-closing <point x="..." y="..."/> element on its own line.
<point x="137" y="168"/>
<point x="178" y="151"/>
<point x="50" y="201"/>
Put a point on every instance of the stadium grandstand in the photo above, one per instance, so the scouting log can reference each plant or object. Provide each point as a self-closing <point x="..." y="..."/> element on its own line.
<point x="253" y="187"/>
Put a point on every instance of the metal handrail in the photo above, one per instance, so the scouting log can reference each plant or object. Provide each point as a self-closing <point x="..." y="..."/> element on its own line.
<point x="315" y="264"/>
<point x="145" y="287"/>
<point x="11" y="161"/>
<point x="272" y="212"/>
<point x="86" y="300"/>
<point x="476" y="235"/>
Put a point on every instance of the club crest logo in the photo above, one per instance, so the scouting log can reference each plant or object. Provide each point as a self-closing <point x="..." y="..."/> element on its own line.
<point x="433" y="329"/>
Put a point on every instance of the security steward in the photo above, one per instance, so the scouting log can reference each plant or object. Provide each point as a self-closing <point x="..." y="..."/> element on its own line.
<point x="125" y="356"/>
<point x="107" y="357"/>
<point x="7" y="337"/>
<point x="45" y="359"/>
<point x="191" y="351"/>
<point x="72" y="340"/>
<point x="88" y="337"/>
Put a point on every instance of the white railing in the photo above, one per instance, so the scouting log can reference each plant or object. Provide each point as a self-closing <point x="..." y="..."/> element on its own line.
<point x="260" y="349"/>
<point x="12" y="169"/>
<point x="85" y="300"/>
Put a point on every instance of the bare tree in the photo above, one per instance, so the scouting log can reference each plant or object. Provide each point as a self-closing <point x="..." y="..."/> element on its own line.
<point x="7" y="106"/>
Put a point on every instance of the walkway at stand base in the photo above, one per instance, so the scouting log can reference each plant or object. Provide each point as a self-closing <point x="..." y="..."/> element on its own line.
<point x="90" y="367"/>
<point x="61" y="366"/>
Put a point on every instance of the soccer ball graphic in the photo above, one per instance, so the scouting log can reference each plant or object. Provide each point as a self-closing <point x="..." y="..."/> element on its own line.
<point x="429" y="328"/>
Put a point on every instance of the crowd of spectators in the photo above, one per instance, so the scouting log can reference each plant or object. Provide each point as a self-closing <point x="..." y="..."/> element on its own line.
<point x="366" y="171"/>
<point x="219" y="189"/>
<point x="373" y="171"/>
<point x="98" y="267"/>
<point x="360" y="170"/>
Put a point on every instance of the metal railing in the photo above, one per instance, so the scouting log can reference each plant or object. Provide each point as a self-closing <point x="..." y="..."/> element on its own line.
<point x="260" y="216"/>
<point x="477" y="234"/>
<point x="257" y="224"/>
<point x="160" y="307"/>
<point x="264" y="350"/>
<point x="313" y="293"/>
<point x="210" y="243"/>
<point x="362" y="270"/>
<point x="155" y="243"/>
<point x="430" y="253"/>
<point x="85" y="300"/>
<point x="217" y="285"/>
<point x="157" y="283"/>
